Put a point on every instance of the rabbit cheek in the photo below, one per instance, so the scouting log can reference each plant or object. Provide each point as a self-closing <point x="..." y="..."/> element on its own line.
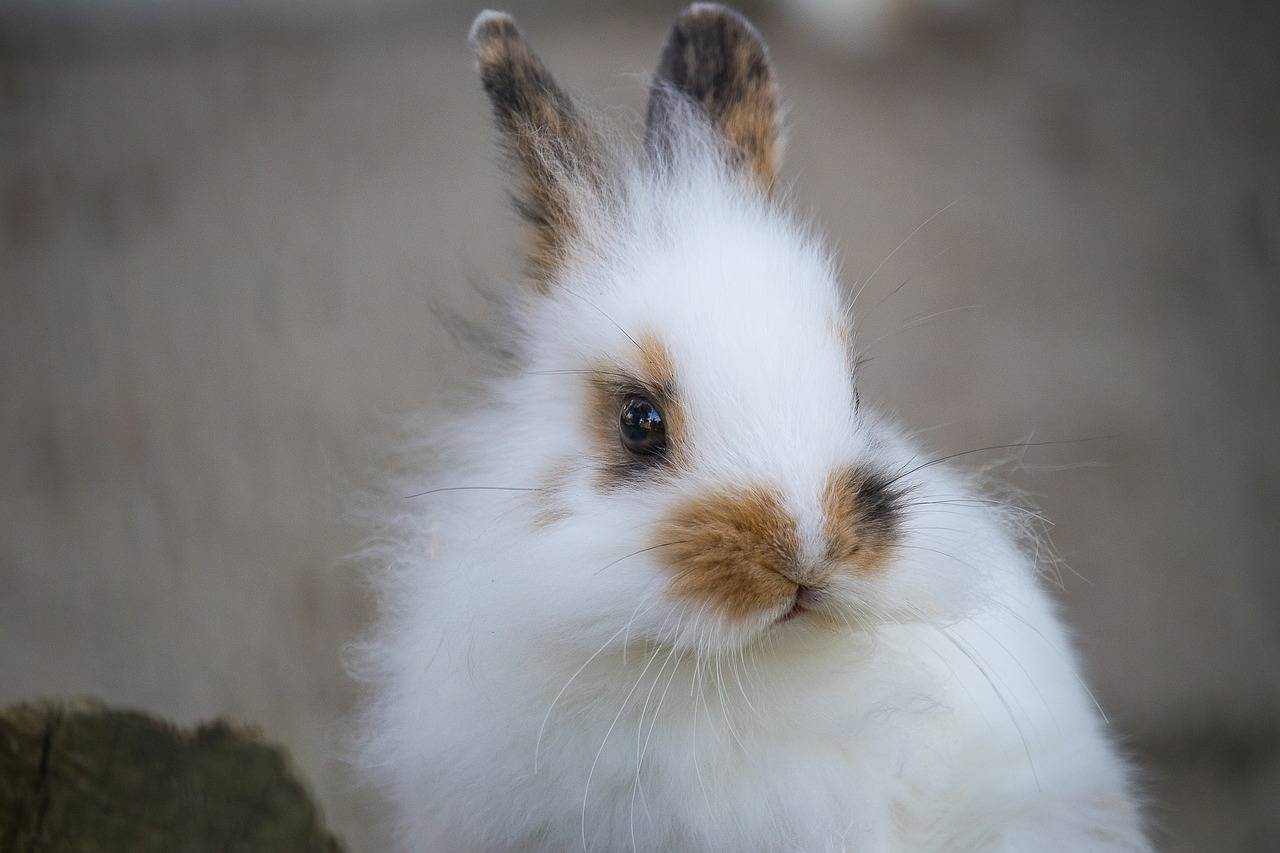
<point x="862" y="512"/>
<point x="728" y="551"/>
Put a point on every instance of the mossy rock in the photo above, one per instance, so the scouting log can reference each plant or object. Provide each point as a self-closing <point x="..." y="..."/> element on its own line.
<point x="79" y="776"/>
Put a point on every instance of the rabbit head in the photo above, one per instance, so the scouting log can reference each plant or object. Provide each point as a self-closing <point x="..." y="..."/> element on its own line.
<point x="700" y="467"/>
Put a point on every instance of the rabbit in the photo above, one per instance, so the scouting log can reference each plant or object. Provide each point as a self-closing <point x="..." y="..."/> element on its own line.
<point x="669" y="583"/>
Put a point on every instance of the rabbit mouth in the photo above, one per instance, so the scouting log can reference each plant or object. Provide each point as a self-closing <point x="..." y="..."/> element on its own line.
<point x="796" y="609"/>
<point x="803" y="602"/>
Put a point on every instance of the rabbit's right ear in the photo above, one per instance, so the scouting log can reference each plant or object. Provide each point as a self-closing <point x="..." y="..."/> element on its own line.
<point x="716" y="62"/>
<point x="555" y="158"/>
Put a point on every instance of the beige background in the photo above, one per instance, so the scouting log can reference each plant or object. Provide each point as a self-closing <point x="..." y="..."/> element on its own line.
<point x="224" y="244"/>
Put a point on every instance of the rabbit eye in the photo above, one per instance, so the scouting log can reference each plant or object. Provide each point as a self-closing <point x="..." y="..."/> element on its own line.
<point x="642" y="428"/>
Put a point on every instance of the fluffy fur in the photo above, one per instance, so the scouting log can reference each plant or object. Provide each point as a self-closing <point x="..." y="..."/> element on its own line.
<point x="538" y="685"/>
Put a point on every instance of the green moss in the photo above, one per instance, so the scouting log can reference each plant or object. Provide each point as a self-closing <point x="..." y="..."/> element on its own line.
<point x="82" y="777"/>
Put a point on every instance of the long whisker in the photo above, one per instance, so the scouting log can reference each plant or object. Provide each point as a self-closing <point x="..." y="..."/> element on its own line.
<point x="1020" y="444"/>
<point x="542" y="729"/>
<point x="696" y="681"/>
<point x="600" y="310"/>
<point x="1056" y="648"/>
<point x="724" y="703"/>
<point x="582" y="372"/>
<point x="474" y="489"/>
<point x="662" y="698"/>
<point x="858" y="292"/>
<point x="1000" y="696"/>
<point x="733" y="667"/>
<point x="626" y="640"/>
<point x="915" y="321"/>
<point x="637" y="786"/>
<point x="981" y="502"/>
<point x="903" y="284"/>
<point x="586" y="791"/>
<point x="638" y="553"/>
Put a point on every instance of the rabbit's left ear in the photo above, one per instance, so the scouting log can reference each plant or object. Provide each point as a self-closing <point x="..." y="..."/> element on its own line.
<point x="554" y="155"/>
<point x="715" y="59"/>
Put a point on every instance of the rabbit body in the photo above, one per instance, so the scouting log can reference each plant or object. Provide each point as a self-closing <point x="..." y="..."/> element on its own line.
<point x="780" y="627"/>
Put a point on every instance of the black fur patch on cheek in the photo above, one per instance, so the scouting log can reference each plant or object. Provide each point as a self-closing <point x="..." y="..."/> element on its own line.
<point x="879" y="500"/>
<point x="863" y="509"/>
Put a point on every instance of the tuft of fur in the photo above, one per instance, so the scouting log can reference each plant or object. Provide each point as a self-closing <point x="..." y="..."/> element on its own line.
<point x="540" y="682"/>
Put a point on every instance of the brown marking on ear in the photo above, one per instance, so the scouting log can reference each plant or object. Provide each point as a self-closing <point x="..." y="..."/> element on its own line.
<point x="715" y="58"/>
<point x="651" y="375"/>
<point x="730" y="550"/>
<point x="551" y="508"/>
<point x="861" y="514"/>
<point x="552" y="151"/>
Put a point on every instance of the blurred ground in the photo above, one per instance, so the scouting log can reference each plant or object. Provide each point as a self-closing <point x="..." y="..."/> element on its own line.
<point x="221" y="249"/>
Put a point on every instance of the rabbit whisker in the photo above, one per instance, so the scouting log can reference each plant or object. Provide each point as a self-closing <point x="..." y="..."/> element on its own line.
<point x="974" y="659"/>
<point x="638" y="553"/>
<point x="542" y="729"/>
<point x="621" y="708"/>
<point x="858" y="291"/>
<point x="475" y="489"/>
<point x="1019" y="444"/>
<point x="602" y="313"/>
<point x="937" y="256"/>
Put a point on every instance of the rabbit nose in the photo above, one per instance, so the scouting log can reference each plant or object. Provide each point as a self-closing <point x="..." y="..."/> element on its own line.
<point x="806" y="574"/>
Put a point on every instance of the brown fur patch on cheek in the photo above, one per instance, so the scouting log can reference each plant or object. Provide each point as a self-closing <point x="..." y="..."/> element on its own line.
<point x="652" y="376"/>
<point x="728" y="552"/>
<point x="861" y="519"/>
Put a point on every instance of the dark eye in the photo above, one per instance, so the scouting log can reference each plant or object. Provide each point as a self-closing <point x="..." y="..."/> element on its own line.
<point x="642" y="428"/>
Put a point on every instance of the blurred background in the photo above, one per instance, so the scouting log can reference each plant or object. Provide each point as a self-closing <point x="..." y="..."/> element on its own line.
<point x="228" y="231"/>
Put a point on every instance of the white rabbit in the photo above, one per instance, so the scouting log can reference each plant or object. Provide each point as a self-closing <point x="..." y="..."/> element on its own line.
<point x="672" y="585"/>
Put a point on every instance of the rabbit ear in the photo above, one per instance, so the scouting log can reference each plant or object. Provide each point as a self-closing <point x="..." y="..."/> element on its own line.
<point x="554" y="156"/>
<point x="717" y="60"/>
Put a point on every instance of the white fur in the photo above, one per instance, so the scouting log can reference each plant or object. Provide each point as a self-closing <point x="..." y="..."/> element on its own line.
<point x="537" y="689"/>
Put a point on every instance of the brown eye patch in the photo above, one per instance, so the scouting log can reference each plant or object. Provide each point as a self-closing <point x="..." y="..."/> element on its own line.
<point x="623" y="397"/>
